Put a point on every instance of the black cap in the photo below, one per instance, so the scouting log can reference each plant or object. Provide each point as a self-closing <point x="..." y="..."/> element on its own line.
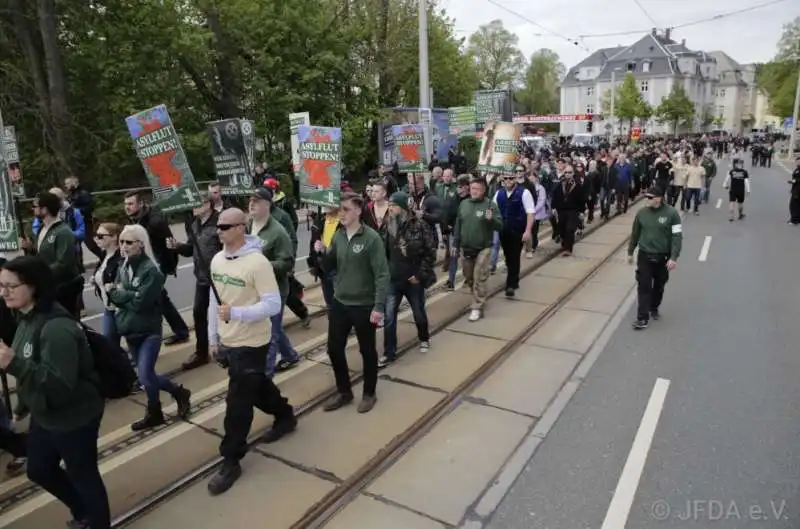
<point x="262" y="193"/>
<point x="655" y="191"/>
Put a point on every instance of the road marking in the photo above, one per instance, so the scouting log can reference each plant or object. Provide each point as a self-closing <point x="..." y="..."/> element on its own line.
<point x="622" y="501"/>
<point x="704" y="250"/>
<point x="719" y="203"/>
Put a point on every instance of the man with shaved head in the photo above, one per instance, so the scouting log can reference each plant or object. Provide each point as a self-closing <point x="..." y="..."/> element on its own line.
<point x="239" y="324"/>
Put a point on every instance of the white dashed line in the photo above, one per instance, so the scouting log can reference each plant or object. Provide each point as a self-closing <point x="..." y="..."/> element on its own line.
<point x="704" y="250"/>
<point x="719" y="203"/>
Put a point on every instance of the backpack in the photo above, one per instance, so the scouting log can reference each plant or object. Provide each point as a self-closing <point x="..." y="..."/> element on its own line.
<point x="115" y="375"/>
<point x="111" y="363"/>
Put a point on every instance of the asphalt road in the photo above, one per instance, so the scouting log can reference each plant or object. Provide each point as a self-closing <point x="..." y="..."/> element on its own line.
<point x="180" y="288"/>
<point x="724" y="447"/>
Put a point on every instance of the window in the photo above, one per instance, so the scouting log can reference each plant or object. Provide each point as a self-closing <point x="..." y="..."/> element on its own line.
<point x="721" y="92"/>
<point x="645" y="67"/>
<point x="721" y="111"/>
<point x="589" y="91"/>
<point x="644" y="86"/>
<point x="631" y="66"/>
<point x="590" y="108"/>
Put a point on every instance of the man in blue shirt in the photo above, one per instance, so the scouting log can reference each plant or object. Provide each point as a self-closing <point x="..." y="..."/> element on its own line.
<point x="624" y="171"/>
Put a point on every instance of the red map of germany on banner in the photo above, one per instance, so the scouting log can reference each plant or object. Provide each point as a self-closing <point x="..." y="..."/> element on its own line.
<point x="160" y="165"/>
<point x="410" y="151"/>
<point x="317" y="170"/>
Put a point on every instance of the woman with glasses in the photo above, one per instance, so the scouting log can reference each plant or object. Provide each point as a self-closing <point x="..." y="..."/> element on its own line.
<point x="136" y="294"/>
<point x="107" y="238"/>
<point x="57" y="385"/>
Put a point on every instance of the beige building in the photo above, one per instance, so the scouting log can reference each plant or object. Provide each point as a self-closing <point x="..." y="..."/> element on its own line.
<point x="713" y="81"/>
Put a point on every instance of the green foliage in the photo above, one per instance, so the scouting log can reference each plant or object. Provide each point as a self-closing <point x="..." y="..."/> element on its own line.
<point x="498" y="61"/>
<point x="707" y="115"/>
<point x="676" y="108"/>
<point x="778" y="78"/>
<point x="342" y="61"/>
<point x="541" y="94"/>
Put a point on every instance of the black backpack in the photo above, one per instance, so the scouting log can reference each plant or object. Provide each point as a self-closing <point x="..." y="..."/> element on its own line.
<point x="111" y="363"/>
<point x="115" y="375"/>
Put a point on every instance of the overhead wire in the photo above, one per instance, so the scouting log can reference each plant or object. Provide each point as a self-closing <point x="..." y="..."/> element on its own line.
<point x="646" y="13"/>
<point x="548" y="31"/>
<point x="713" y="18"/>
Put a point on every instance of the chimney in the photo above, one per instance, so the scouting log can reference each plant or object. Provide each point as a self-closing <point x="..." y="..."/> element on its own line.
<point x="655" y="32"/>
<point x="667" y="33"/>
<point x="683" y="42"/>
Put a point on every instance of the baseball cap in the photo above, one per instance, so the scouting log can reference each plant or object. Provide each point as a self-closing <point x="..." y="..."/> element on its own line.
<point x="262" y="193"/>
<point x="654" y="191"/>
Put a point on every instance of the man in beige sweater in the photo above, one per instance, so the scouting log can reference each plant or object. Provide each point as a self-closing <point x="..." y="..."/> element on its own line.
<point x="695" y="183"/>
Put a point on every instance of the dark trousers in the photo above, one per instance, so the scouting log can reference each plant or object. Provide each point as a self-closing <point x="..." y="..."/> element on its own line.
<point x="80" y="486"/>
<point x="567" y="225"/>
<point x="173" y="317"/>
<point x="202" y="298"/>
<point x="12" y="442"/>
<point x="248" y="387"/>
<point x="511" y="242"/>
<point x="623" y="197"/>
<point x="68" y="295"/>
<point x="651" y="275"/>
<point x="294" y="301"/>
<point x="341" y="319"/>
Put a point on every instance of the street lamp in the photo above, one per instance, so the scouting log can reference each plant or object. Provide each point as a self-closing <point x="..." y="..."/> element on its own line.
<point x="795" y="111"/>
<point x="613" y="96"/>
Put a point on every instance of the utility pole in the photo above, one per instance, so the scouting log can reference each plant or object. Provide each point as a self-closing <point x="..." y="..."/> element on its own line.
<point x="793" y="135"/>
<point x="424" y="77"/>
<point x="613" y="97"/>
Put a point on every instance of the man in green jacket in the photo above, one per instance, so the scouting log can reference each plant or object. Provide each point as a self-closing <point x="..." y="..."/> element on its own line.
<point x="710" y="166"/>
<point x="277" y="248"/>
<point x="55" y="245"/>
<point x="478" y="219"/>
<point x="447" y="193"/>
<point x="358" y="256"/>
<point x="658" y="232"/>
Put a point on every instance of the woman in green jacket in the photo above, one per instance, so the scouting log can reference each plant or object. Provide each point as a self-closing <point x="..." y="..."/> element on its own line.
<point x="57" y="384"/>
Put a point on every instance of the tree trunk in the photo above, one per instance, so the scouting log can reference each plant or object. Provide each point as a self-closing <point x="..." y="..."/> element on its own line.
<point x="383" y="38"/>
<point x="228" y="106"/>
<point x="59" y="112"/>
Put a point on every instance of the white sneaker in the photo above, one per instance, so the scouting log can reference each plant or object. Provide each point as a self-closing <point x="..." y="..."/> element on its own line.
<point x="474" y="315"/>
<point x="529" y="255"/>
<point x="424" y="346"/>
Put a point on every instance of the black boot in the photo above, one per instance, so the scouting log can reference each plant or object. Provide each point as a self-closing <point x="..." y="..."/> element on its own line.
<point x="183" y="398"/>
<point x="225" y="478"/>
<point x="153" y="417"/>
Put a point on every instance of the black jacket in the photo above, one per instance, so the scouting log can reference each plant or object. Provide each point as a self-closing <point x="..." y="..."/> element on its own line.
<point x="110" y="272"/>
<point x="159" y="231"/>
<point x="207" y="240"/>
<point x="8" y="323"/>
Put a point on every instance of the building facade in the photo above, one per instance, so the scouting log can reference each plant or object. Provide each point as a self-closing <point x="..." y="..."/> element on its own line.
<point x="723" y="92"/>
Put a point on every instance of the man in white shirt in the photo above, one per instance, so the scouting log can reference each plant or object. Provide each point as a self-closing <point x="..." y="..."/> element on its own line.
<point x="517" y="208"/>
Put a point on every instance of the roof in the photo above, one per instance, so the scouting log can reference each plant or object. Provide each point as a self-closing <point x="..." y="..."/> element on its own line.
<point x="661" y="52"/>
<point x="730" y="71"/>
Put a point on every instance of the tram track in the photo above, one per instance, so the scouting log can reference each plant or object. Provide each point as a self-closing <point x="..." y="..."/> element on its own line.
<point x="351" y="486"/>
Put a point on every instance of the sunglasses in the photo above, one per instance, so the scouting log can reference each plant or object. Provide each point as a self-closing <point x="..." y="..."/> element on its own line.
<point x="127" y="243"/>
<point x="226" y="227"/>
<point x="102" y="235"/>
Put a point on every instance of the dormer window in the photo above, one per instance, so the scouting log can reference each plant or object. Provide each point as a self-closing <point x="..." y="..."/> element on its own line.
<point x="631" y="66"/>
<point x="646" y="67"/>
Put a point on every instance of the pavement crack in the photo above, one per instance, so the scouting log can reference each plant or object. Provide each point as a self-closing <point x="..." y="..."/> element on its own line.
<point x="485" y="403"/>
<point x="320" y="473"/>
<point x="477" y="335"/>
<point x="392" y="503"/>
<point x="405" y="382"/>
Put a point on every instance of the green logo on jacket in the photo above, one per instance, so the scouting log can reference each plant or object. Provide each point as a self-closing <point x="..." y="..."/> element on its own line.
<point x="225" y="279"/>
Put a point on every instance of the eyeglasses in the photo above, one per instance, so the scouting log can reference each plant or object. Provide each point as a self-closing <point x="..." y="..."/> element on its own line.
<point x="127" y="243"/>
<point x="226" y="227"/>
<point x="8" y="287"/>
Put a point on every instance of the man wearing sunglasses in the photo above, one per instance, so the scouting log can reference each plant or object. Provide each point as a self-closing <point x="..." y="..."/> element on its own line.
<point x="658" y="232"/>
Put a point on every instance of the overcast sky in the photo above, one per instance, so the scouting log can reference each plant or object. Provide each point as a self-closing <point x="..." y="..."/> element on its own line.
<point x="748" y="37"/>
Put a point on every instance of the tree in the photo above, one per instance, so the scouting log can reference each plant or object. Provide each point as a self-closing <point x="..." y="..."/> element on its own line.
<point x="676" y="108"/>
<point x="541" y="92"/>
<point x="628" y="102"/>
<point x="498" y="61"/>
<point x="719" y="121"/>
<point x="778" y="78"/>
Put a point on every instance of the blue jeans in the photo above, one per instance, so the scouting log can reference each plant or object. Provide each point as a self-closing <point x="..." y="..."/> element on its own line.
<point x="108" y="327"/>
<point x="144" y="350"/>
<point x="415" y="294"/>
<point x="692" y="194"/>
<point x="279" y="342"/>
<point x="79" y="486"/>
<point x="495" y="249"/>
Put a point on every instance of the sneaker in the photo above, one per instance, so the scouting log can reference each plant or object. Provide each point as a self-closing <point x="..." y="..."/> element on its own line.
<point x="183" y="398"/>
<point x="339" y="401"/>
<point x="279" y="429"/>
<point x="493" y="270"/>
<point x="655" y="315"/>
<point x="285" y="365"/>
<point x="424" y="347"/>
<point x="306" y="322"/>
<point x="640" y="324"/>
<point x="509" y="292"/>
<point x="529" y="255"/>
<point x="386" y="360"/>
<point x="225" y="478"/>
<point x="474" y="315"/>
<point x="16" y="466"/>
<point x="78" y="524"/>
<point x="450" y="286"/>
